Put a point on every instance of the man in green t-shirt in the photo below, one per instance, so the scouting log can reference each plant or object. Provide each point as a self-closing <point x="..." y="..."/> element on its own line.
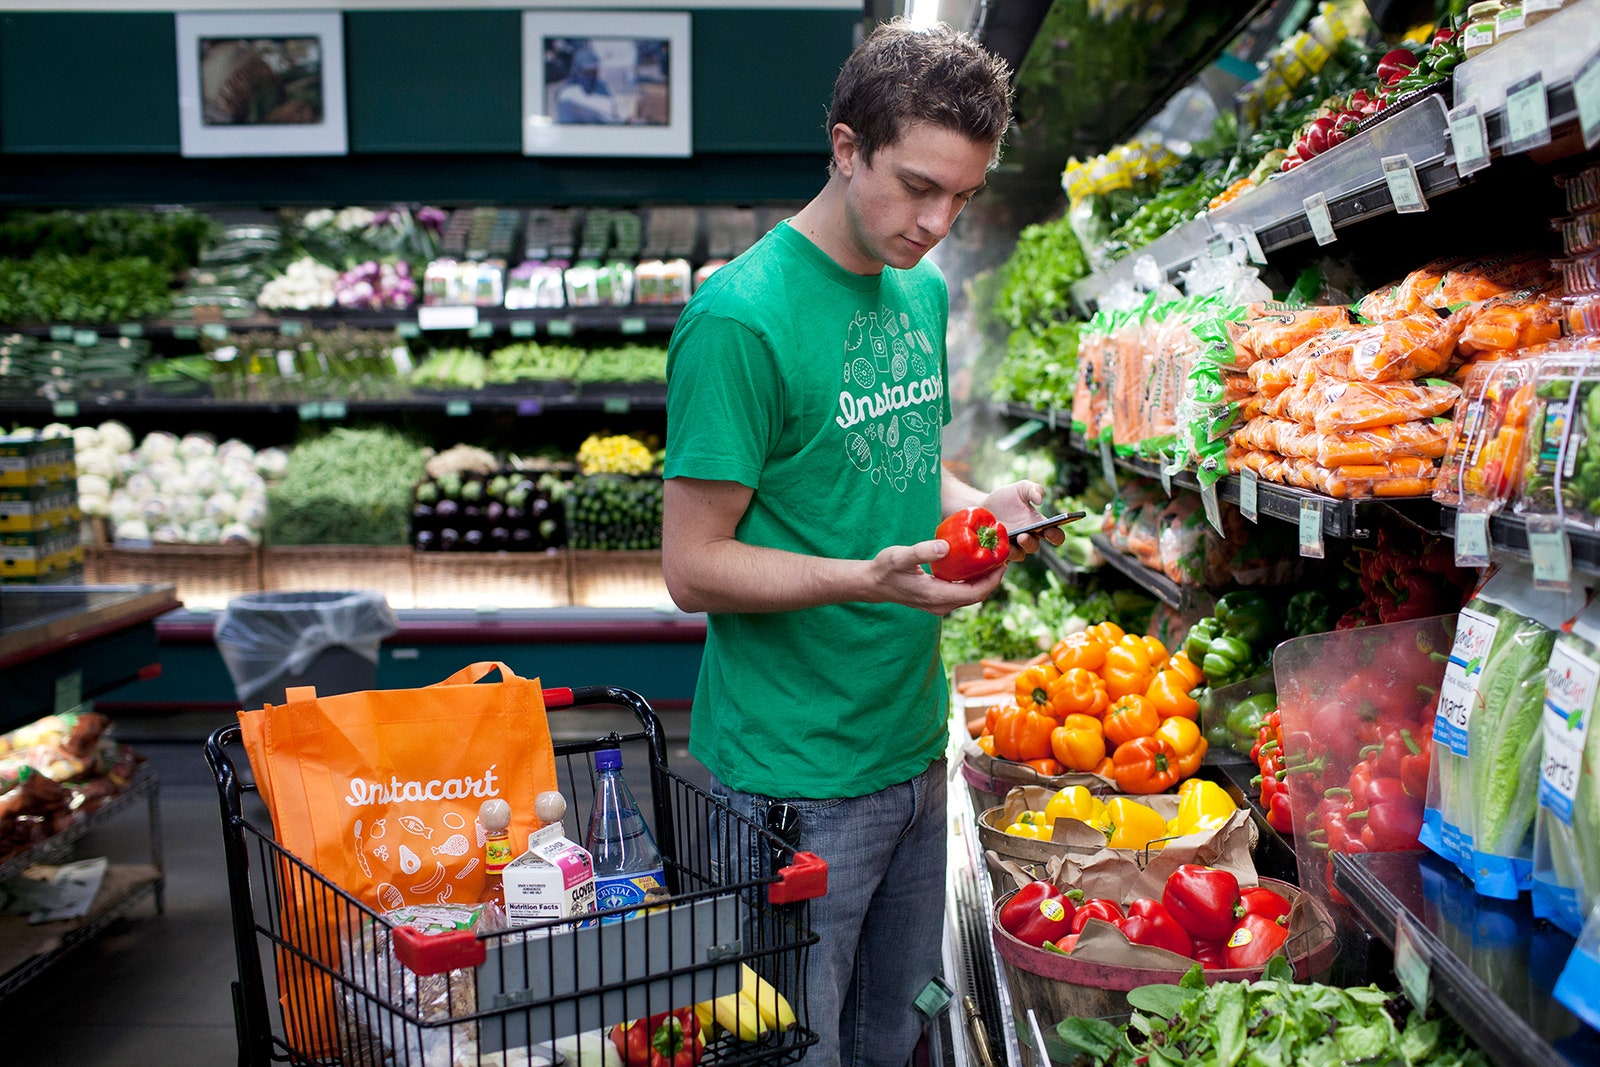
<point x="806" y="399"/>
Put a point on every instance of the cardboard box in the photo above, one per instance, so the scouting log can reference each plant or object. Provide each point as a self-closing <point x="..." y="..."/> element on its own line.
<point x="37" y="507"/>
<point x="36" y="461"/>
<point x="553" y="879"/>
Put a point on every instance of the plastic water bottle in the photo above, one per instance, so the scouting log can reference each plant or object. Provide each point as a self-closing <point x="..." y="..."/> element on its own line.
<point x="627" y="864"/>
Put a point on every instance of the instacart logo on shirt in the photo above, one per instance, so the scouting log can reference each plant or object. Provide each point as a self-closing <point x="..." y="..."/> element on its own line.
<point x="890" y="400"/>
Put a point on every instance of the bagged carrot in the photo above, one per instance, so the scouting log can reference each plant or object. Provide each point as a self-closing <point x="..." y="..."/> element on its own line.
<point x="1504" y="324"/>
<point x="1271" y="330"/>
<point x="1333" y="406"/>
<point x="1484" y="279"/>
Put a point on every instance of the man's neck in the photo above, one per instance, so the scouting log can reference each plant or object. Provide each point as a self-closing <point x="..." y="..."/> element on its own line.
<point x="823" y="223"/>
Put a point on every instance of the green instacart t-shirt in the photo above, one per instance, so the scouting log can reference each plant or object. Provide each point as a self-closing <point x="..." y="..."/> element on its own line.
<point x="823" y="391"/>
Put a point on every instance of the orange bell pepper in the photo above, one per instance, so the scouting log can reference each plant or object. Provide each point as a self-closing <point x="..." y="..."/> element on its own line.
<point x="1078" y="743"/>
<point x="1107" y="633"/>
<point x="1078" y="692"/>
<point x="1191" y="672"/>
<point x="1158" y="651"/>
<point x="1145" y="765"/>
<point x="1022" y="734"/>
<point x="986" y="744"/>
<point x="1171" y="698"/>
<point x="1187" y="743"/>
<point x="1033" y="689"/>
<point x="1128" y="667"/>
<point x="1129" y="717"/>
<point x="1079" y="650"/>
<point x="1106" y="769"/>
<point x="1047" y="766"/>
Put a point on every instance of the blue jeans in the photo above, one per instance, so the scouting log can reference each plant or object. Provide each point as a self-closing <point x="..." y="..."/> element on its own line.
<point x="880" y="925"/>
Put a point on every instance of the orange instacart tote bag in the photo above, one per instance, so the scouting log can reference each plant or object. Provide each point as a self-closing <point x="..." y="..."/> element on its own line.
<point x="378" y="792"/>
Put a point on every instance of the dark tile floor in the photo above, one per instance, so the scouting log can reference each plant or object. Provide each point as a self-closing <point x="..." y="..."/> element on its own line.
<point x="153" y="990"/>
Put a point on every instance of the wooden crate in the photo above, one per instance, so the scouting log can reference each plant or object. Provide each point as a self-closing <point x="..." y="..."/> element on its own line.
<point x="206" y="576"/>
<point x="603" y="579"/>
<point x="387" y="569"/>
<point x="493" y="579"/>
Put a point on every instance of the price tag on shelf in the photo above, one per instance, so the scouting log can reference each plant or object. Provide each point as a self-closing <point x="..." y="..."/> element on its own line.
<point x="522" y="327"/>
<point x="1164" y="472"/>
<point x="1411" y="965"/>
<point x="69" y="692"/>
<point x="615" y="405"/>
<point x="1317" y="216"/>
<point x="633" y="324"/>
<point x="407" y="330"/>
<point x="64" y="409"/>
<point x="214" y="330"/>
<point x="131" y="329"/>
<point x="85" y="338"/>
<point x="1252" y="246"/>
<point x="560" y="327"/>
<point x="185" y="332"/>
<point x="1248" y="483"/>
<point x="1051" y="416"/>
<point x="291" y="327"/>
<point x="1404" y="189"/>
<point x="447" y="317"/>
<point x="1527" y="115"/>
<point x="1311" y="530"/>
<point x="458" y="408"/>
<point x="1472" y="539"/>
<point x="1569" y="693"/>
<point x="1019" y="435"/>
<point x="310" y="411"/>
<point x="528" y="408"/>
<point x="1586" y="91"/>
<point x="1217" y="247"/>
<point x="1552" y="555"/>
<point x="1108" y="464"/>
<point x="61" y="332"/>
<point x="482" y="329"/>
<point x="1213" y="507"/>
<point x="1469" y="139"/>
<point x="333" y="410"/>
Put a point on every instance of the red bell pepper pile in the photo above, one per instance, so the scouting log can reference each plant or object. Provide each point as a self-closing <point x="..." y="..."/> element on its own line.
<point x="1202" y="914"/>
<point x="1406" y="575"/>
<point x="1267" y="753"/>
<point x="670" y="1039"/>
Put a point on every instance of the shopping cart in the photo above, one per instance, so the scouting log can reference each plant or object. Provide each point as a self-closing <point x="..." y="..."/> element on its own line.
<point x="514" y="997"/>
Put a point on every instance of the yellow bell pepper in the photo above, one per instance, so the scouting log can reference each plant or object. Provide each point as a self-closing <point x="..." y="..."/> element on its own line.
<point x="1202" y="806"/>
<point x="1031" y="831"/>
<point x="1187" y="742"/>
<point x="1078" y="743"/>
<point x="1128" y="668"/>
<point x="1133" y="825"/>
<point x="1076" y="802"/>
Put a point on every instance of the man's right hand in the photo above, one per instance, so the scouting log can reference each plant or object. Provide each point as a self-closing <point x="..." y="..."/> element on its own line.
<point x="897" y="570"/>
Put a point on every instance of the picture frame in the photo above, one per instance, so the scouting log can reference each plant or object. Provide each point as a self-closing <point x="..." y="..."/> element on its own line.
<point x="606" y="84"/>
<point x="258" y="83"/>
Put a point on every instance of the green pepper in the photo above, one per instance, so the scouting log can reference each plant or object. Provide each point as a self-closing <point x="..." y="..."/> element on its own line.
<point x="1244" y="718"/>
<point x="1308" y="612"/>
<point x="1198" y="641"/>
<point x="1247" y="615"/>
<point x="1227" y="660"/>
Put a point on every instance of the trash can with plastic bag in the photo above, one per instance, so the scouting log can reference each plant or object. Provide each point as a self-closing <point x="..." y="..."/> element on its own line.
<point x="275" y="641"/>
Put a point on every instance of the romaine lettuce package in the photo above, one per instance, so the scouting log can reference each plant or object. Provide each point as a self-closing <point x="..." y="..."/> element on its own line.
<point x="1482" y="786"/>
<point x="1566" y="852"/>
<point x="1578" y="988"/>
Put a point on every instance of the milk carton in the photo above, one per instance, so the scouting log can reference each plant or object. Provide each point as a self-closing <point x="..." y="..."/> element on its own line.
<point x="553" y="879"/>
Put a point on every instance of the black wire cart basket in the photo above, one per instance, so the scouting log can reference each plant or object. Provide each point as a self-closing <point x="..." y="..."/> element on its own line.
<point x="538" y="994"/>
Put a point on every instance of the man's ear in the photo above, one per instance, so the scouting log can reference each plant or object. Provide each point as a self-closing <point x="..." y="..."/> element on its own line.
<point x="845" y="153"/>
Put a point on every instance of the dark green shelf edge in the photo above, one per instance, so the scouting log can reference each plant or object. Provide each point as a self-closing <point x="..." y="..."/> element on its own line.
<point x="654" y="318"/>
<point x="621" y="399"/>
<point x="1367" y="881"/>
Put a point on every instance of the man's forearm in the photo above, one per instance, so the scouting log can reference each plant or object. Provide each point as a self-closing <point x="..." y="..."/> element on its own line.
<point x="955" y="494"/>
<point x="731" y="576"/>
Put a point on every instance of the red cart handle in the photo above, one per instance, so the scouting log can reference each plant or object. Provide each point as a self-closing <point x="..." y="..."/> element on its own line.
<point x="805" y="878"/>
<point x="436" y="953"/>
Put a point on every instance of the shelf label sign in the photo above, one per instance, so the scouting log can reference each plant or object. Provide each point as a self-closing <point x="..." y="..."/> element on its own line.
<point x="1217" y="247"/>
<point x="131" y="329"/>
<point x="1208" y="500"/>
<point x="291" y="327"/>
<point x="482" y="329"/>
<point x="1551" y="552"/>
<point x="185" y="332"/>
<point x="215" y="330"/>
<point x="1317" y="216"/>
<point x="633" y="324"/>
<point x="522" y="327"/>
<point x="1472" y="539"/>
<point x="1469" y="138"/>
<point x="408" y="329"/>
<point x="615" y="405"/>
<point x="1019" y="435"/>
<point x="1248" y="484"/>
<point x="1586" y="93"/>
<point x="1252" y="246"/>
<point x="1527" y="115"/>
<point x="529" y="408"/>
<point x="1569" y="690"/>
<point x="1108" y="464"/>
<point x="1311" y="530"/>
<point x="310" y="411"/>
<point x="560" y="327"/>
<point x="64" y="409"/>
<point x="60" y="332"/>
<point x="1411" y="966"/>
<point x="85" y="338"/>
<point x="447" y="317"/>
<point x="1163" y="466"/>
<point x="69" y="692"/>
<point x="1458" y="693"/>
<point x="1404" y="188"/>
<point x="333" y="410"/>
<point x="458" y="408"/>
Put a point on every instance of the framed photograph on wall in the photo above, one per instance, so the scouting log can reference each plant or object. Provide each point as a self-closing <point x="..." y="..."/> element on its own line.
<point x="606" y="84"/>
<point x="261" y="84"/>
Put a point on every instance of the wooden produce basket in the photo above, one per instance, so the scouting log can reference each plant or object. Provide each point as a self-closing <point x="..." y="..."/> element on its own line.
<point x="206" y="576"/>
<point x="387" y="569"/>
<point x="493" y="579"/>
<point x="612" y="579"/>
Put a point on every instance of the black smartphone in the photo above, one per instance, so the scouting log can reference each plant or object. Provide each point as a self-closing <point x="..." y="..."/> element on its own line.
<point x="1045" y="524"/>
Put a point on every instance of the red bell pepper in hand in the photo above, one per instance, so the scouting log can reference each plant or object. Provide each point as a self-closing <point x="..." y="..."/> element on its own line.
<point x="978" y="544"/>
<point x="1263" y="902"/>
<point x="1099" y="908"/>
<point x="670" y="1039"/>
<point x="1202" y="900"/>
<point x="1038" y="912"/>
<point x="1254" y="940"/>
<point x="1149" y="923"/>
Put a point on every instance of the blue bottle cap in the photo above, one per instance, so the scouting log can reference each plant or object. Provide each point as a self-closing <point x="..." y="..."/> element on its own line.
<point x="608" y="759"/>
